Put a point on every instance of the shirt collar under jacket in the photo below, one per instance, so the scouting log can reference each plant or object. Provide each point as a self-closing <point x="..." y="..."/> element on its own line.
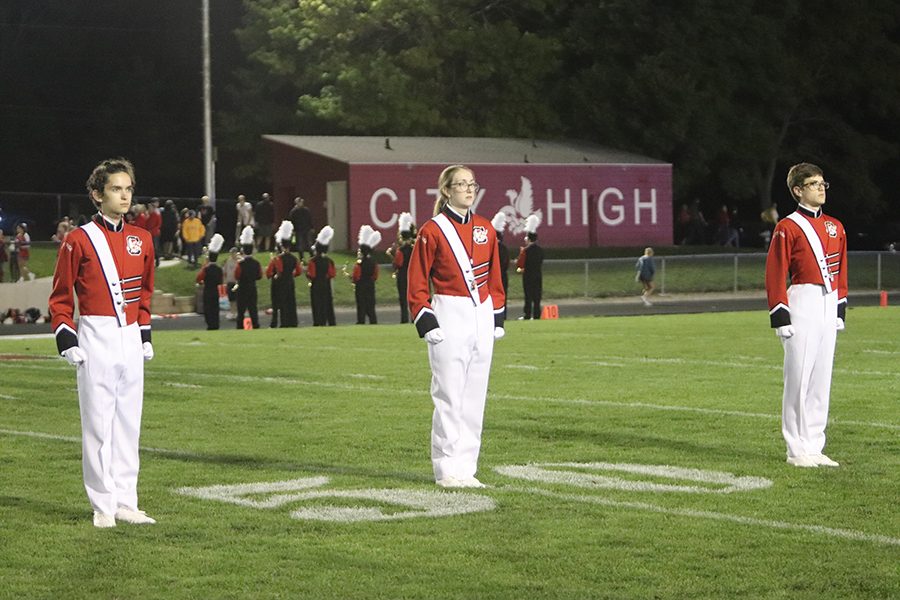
<point x="461" y="219"/>
<point x="812" y="214"/>
<point x="100" y="219"/>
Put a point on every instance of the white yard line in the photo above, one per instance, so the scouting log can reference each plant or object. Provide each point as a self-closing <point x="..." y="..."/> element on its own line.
<point x="848" y="534"/>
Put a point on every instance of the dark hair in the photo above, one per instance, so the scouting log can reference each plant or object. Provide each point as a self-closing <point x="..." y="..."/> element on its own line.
<point x="100" y="175"/>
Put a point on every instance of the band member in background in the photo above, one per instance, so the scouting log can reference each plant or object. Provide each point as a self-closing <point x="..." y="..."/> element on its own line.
<point x="281" y="270"/>
<point x="499" y="224"/>
<point x="320" y="271"/>
<point x="811" y="248"/>
<point x="530" y="265"/>
<point x="247" y="273"/>
<point x="365" y="273"/>
<point x="212" y="276"/>
<point x="456" y="255"/>
<point x="109" y="265"/>
<point x="406" y="236"/>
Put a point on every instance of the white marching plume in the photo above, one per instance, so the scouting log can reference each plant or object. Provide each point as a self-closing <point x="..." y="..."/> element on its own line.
<point x="364" y="232"/>
<point x="499" y="222"/>
<point x="325" y="235"/>
<point x="215" y="243"/>
<point x="532" y="223"/>
<point x="246" y="238"/>
<point x="406" y="221"/>
<point x="374" y="239"/>
<point x="285" y="231"/>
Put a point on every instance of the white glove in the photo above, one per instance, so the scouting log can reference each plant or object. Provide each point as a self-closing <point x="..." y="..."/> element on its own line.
<point x="499" y="332"/>
<point x="435" y="336"/>
<point x="840" y="324"/>
<point x="148" y="350"/>
<point x="74" y="355"/>
<point x="785" y="331"/>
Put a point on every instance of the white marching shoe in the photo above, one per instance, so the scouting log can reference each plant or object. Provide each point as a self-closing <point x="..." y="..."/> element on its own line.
<point x="453" y="482"/>
<point x="104" y="521"/>
<point x="135" y="517"/>
<point x="824" y="461"/>
<point x="802" y="461"/>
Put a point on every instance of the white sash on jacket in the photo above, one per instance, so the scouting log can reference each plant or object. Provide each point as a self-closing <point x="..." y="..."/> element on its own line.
<point x="108" y="265"/>
<point x="816" y="244"/>
<point x="462" y="257"/>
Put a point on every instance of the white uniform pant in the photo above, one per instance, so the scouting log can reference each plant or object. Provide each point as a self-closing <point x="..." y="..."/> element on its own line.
<point x="110" y="394"/>
<point x="460" y="366"/>
<point x="808" y="362"/>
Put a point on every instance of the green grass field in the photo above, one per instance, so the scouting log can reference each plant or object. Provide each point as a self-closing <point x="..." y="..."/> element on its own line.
<point x="627" y="457"/>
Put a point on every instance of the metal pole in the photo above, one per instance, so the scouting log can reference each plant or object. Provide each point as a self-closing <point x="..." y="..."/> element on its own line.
<point x="586" y="279"/>
<point x="662" y="287"/>
<point x="209" y="177"/>
<point x="878" y="273"/>
<point x="735" y="273"/>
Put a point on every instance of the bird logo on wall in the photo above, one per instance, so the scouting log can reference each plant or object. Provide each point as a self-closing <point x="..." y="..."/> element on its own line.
<point x="521" y="205"/>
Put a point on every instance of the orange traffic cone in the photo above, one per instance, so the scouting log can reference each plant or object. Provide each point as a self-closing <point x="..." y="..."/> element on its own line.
<point x="550" y="311"/>
<point x="248" y="324"/>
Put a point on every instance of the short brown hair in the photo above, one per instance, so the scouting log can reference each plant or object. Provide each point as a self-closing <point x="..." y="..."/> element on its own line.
<point x="800" y="173"/>
<point x="100" y="175"/>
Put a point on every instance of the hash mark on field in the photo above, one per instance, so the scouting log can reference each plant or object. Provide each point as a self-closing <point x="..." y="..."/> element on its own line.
<point x="366" y="376"/>
<point x="848" y="534"/>
<point x="523" y="367"/>
<point x="7" y="397"/>
<point x="177" y="384"/>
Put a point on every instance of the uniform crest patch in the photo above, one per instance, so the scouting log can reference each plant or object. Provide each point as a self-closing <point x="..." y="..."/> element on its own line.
<point x="831" y="228"/>
<point x="479" y="235"/>
<point x="133" y="245"/>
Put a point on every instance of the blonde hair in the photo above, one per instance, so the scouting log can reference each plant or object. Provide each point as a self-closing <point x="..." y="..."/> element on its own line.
<point x="444" y="181"/>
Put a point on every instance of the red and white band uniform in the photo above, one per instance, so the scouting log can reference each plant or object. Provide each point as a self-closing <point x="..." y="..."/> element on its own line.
<point x="467" y="306"/>
<point x="815" y="306"/>
<point x="114" y="286"/>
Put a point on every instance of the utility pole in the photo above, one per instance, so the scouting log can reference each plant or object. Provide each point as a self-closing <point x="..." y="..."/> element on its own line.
<point x="209" y="165"/>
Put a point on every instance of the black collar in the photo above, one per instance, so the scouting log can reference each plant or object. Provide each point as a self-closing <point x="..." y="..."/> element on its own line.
<point x="452" y="214"/>
<point x="812" y="214"/>
<point x="102" y="221"/>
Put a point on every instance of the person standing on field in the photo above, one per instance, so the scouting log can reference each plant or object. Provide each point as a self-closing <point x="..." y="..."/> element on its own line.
<point x="211" y="277"/>
<point x="810" y="247"/>
<point x="530" y="264"/>
<point x="109" y="265"/>
<point x="646" y="269"/>
<point x="456" y="256"/>
<point x="247" y="272"/>
<point x="320" y="271"/>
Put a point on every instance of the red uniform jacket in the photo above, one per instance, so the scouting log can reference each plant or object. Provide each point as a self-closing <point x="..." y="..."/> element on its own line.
<point x="78" y="272"/>
<point x="312" y="271"/>
<point x="277" y="266"/>
<point x="432" y="259"/>
<point x="791" y="255"/>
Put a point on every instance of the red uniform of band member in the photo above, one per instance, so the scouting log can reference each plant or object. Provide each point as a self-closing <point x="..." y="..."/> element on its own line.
<point x="320" y="271"/>
<point x="211" y="276"/>
<point x="810" y="248"/>
<point x="365" y="274"/>
<point x="456" y="256"/>
<point x="109" y="265"/>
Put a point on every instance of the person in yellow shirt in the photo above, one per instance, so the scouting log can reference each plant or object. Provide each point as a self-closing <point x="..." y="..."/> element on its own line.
<point x="192" y="232"/>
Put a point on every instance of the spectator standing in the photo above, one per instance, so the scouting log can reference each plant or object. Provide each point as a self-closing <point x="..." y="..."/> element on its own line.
<point x="4" y="256"/>
<point x="769" y="218"/>
<point x="234" y="257"/>
<point x="108" y="265"/>
<point x="154" y="226"/>
<point x="646" y="269"/>
<point x="169" y="230"/>
<point x="320" y="271"/>
<point x="265" y="221"/>
<point x="23" y="251"/>
<point x="207" y="215"/>
<point x="62" y="230"/>
<point x="192" y="232"/>
<point x="245" y="219"/>
<point x="303" y="225"/>
<point x="530" y="264"/>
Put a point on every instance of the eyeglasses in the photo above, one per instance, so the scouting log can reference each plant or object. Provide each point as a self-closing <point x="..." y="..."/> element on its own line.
<point x="818" y="185"/>
<point x="462" y="186"/>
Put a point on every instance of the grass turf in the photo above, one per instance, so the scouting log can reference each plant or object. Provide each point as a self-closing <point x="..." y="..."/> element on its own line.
<point x="351" y="404"/>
